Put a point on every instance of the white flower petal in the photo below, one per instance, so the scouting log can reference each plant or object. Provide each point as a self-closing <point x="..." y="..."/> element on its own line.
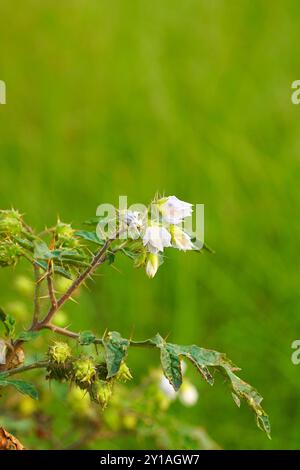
<point x="156" y="238"/>
<point x="174" y="210"/>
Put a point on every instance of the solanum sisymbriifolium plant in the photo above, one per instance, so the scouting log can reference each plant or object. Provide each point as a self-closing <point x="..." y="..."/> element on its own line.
<point x="143" y="234"/>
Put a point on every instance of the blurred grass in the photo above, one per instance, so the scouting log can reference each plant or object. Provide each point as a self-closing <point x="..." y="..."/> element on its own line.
<point x="191" y="98"/>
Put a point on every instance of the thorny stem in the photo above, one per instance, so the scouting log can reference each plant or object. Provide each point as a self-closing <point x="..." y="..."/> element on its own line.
<point x="50" y="287"/>
<point x="98" y="259"/>
<point x="36" y="310"/>
<point x="18" y="370"/>
<point x="45" y="323"/>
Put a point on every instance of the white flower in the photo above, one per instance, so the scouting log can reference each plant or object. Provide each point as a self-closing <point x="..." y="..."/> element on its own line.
<point x="167" y="388"/>
<point x="173" y="210"/>
<point x="134" y="223"/>
<point x="188" y="394"/>
<point x="180" y="239"/>
<point x="152" y="265"/>
<point x="156" y="238"/>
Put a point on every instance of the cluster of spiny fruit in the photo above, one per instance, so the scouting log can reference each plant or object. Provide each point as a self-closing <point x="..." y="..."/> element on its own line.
<point x="84" y="372"/>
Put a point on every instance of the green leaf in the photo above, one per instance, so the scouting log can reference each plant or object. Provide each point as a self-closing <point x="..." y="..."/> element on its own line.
<point x="62" y="272"/>
<point x="245" y="391"/>
<point x="115" y="351"/>
<point x="41" y="250"/>
<point x="203" y="359"/>
<point x="9" y="323"/>
<point x="171" y="365"/>
<point x="28" y="335"/>
<point x="23" y="387"/>
<point x="89" y="236"/>
<point x="57" y="269"/>
<point x="93" y="221"/>
<point x="86" y="338"/>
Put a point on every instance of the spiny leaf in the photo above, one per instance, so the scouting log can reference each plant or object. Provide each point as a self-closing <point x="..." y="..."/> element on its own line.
<point x="41" y="250"/>
<point x="171" y="365"/>
<point x="86" y="338"/>
<point x="94" y="220"/>
<point x="62" y="272"/>
<point x="203" y="359"/>
<point x="28" y="335"/>
<point x="23" y="387"/>
<point x="57" y="269"/>
<point x="115" y="351"/>
<point x="89" y="236"/>
<point x="253" y="398"/>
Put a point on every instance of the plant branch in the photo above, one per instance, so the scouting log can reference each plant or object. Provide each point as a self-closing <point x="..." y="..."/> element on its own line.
<point x="50" y="287"/>
<point x="18" y="370"/>
<point x="37" y="288"/>
<point x="98" y="259"/>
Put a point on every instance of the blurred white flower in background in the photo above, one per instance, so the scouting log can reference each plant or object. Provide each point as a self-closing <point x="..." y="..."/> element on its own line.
<point x="173" y="210"/>
<point x="167" y="388"/>
<point x="188" y="394"/>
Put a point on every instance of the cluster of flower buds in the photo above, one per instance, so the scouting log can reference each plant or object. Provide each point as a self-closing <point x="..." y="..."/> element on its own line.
<point x="158" y="228"/>
<point x="85" y="372"/>
<point x="10" y="223"/>
<point x="10" y="227"/>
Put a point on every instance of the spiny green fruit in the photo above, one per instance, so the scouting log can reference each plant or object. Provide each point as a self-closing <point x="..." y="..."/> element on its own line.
<point x="101" y="392"/>
<point x="124" y="373"/>
<point x="10" y="223"/>
<point x="84" y="370"/>
<point x="59" y="352"/>
<point x="9" y="254"/>
<point x="66" y="235"/>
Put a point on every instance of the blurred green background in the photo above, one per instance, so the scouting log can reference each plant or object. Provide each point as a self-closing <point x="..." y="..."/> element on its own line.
<point x="109" y="98"/>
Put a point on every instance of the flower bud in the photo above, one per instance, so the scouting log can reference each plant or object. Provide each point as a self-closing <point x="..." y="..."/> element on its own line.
<point x="10" y="223"/>
<point x="84" y="370"/>
<point x="124" y="373"/>
<point x="59" y="352"/>
<point x="9" y="254"/>
<point x="66" y="235"/>
<point x="140" y="259"/>
<point x="101" y="392"/>
<point x="152" y="264"/>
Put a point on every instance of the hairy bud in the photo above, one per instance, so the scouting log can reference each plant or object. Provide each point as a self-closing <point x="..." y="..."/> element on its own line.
<point x="66" y="235"/>
<point x="101" y="392"/>
<point x="10" y="223"/>
<point x="9" y="254"/>
<point x="124" y="373"/>
<point x="84" y="371"/>
<point x="59" y="352"/>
